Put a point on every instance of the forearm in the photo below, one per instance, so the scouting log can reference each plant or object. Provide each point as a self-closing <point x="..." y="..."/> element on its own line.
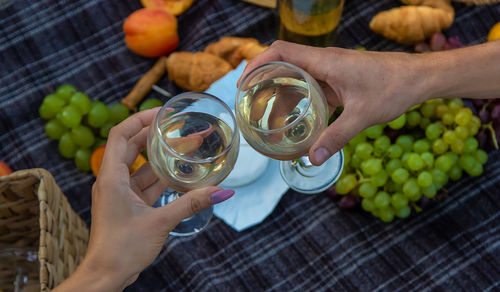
<point x="472" y="72"/>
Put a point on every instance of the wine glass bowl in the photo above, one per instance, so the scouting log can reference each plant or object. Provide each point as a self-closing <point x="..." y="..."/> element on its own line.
<point x="281" y="111"/>
<point x="192" y="143"/>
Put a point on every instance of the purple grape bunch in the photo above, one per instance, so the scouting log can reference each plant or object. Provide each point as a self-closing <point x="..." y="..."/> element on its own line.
<point x="439" y="42"/>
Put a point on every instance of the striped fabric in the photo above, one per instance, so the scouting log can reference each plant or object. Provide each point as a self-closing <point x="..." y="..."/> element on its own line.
<point x="307" y="243"/>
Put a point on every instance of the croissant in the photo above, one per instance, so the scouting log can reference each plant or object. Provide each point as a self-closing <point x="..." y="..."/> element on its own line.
<point x="412" y="24"/>
<point x="246" y="51"/>
<point x="226" y="46"/>
<point x="196" y="71"/>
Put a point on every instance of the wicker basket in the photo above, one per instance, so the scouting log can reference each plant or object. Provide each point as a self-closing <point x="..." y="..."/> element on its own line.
<point x="35" y="214"/>
<point x="478" y="2"/>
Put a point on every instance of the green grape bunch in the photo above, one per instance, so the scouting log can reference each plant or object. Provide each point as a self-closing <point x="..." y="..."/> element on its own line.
<point x="390" y="168"/>
<point x="78" y="124"/>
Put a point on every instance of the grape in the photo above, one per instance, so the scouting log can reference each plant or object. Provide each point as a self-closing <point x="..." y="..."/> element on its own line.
<point x="367" y="205"/>
<point x="430" y="191"/>
<point x="382" y="143"/>
<point x="411" y="189"/>
<point x="347" y="154"/>
<point x="439" y="146"/>
<point x="449" y="137"/>
<point x="480" y="156"/>
<point x="359" y="138"/>
<point x="453" y="157"/>
<point x="476" y="170"/>
<point x="347" y="202"/>
<point x="104" y="131"/>
<point x="395" y="151"/>
<point x="471" y="144"/>
<point x="437" y="41"/>
<point x="421" y="145"/>
<point x="441" y="109"/>
<point x="455" y="41"/>
<point x="414" y="161"/>
<point x="386" y="214"/>
<point x="424" y="123"/>
<point x="413" y="118"/>
<point x="462" y="132"/>
<point x="374" y="131"/>
<point x="346" y="184"/>
<point x="393" y="187"/>
<point x="54" y="129"/>
<point x="476" y="122"/>
<point x="70" y="116"/>
<point x="371" y="166"/>
<point x="51" y="105"/>
<point x="392" y="165"/>
<point x="443" y="163"/>
<point x="367" y="190"/>
<point x="67" y="147"/>
<point x="495" y="112"/>
<point x="363" y="150"/>
<point x="398" y="123"/>
<point x="118" y="113"/>
<point x="428" y="159"/>
<point x="98" y="114"/>
<point x="448" y="118"/>
<point x="424" y="179"/>
<point x="466" y="162"/>
<point x="399" y="201"/>
<point x="356" y="160"/>
<point x="405" y="156"/>
<point x="458" y="147"/>
<point x="81" y="101"/>
<point x="82" y="159"/>
<point x="82" y="136"/>
<point x="382" y="199"/>
<point x="428" y="109"/>
<point x="455" y="104"/>
<point x="438" y="176"/>
<point x="400" y="175"/>
<point x="379" y="179"/>
<point x="150" y="103"/>
<point x="432" y="131"/>
<point x="455" y="173"/>
<point x="65" y="92"/>
<point x="482" y="138"/>
<point x="406" y="142"/>
<point x="464" y="116"/>
<point x="403" y="212"/>
<point x="484" y="116"/>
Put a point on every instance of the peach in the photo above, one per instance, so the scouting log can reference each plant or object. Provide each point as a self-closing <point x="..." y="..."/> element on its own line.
<point x="175" y="7"/>
<point x="151" y="32"/>
<point x="4" y="169"/>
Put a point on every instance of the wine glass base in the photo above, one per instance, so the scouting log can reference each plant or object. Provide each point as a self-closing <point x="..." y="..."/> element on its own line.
<point x="312" y="179"/>
<point x="190" y="225"/>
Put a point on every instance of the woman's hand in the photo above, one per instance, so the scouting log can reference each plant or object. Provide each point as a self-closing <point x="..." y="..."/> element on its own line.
<point x="372" y="87"/>
<point x="127" y="233"/>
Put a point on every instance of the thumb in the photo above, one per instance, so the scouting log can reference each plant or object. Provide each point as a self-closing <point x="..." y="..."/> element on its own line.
<point x="191" y="203"/>
<point x="336" y="136"/>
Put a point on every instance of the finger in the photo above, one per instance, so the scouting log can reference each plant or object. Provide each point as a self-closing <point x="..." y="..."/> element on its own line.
<point x="136" y="145"/>
<point x="336" y="136"/>
<point x="151" y="194"/>
<point x="117" y="145"/>
<point x="144" y="177"/>
<point x="191" y="203"/>
<point x="311" y="59"/>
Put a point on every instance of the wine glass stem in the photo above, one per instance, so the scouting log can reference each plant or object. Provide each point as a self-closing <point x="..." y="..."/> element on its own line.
<point x="304" y="166"/>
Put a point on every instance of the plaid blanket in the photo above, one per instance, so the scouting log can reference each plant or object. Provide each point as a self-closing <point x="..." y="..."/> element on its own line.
<point x="307" y="244"/>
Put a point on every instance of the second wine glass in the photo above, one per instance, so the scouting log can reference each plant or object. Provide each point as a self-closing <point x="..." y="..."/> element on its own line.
<point x="192" y="143"/>
<point x="281" y="111"/>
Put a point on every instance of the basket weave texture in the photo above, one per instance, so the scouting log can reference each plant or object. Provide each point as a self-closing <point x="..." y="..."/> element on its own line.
<point x="478" y="2"/>
<point x="35" y="213"/>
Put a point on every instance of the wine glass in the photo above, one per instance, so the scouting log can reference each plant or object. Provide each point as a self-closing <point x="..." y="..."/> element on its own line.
<point x="192" y="143"/>
<point x="281" y="111"/>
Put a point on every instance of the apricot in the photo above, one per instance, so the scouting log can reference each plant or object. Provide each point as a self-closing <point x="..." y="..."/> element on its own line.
<point x="4" y="169"/>
<point x="98" y="155"/>
<point x="151" y="32"/>
<point x="176" y="7"/>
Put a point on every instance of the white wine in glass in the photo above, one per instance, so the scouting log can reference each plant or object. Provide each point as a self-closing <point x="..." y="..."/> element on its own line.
<point x="193" y="143"/>
<point x="281" y="111"/>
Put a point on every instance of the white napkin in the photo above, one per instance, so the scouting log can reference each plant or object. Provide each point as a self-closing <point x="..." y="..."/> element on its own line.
<point x="255" y="178"/>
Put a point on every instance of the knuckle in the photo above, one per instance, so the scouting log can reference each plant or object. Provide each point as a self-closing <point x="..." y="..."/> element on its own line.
<point x="194" y="206"/>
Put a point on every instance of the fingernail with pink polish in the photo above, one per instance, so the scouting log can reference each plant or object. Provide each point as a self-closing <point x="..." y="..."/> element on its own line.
<point x="220" y="196"/>
<point x="321" y="155"/>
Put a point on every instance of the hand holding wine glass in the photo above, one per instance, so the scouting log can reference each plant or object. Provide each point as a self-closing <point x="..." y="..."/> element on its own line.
<point x="127" y="233"/>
